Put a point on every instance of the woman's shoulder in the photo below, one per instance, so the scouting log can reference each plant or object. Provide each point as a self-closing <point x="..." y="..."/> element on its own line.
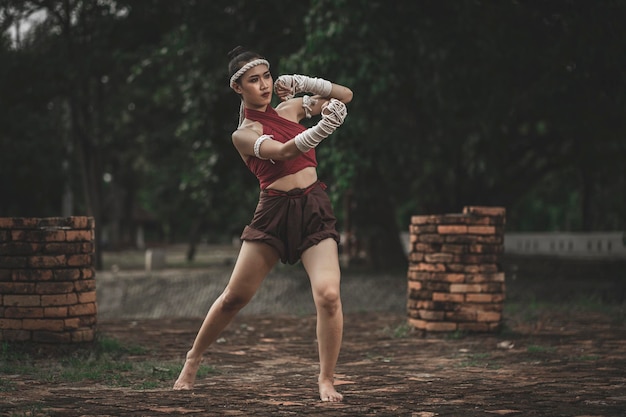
<point x="248" y="128"/>
<point x="291" y="109"/>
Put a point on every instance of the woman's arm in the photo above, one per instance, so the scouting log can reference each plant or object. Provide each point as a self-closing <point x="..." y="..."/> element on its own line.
<point x="250" y="142"/>
<point x="287" y="86"/>
<point x="245" y="140"/>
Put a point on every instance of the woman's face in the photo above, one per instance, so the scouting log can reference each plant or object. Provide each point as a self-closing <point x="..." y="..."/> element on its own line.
<point x="256" y="85"/>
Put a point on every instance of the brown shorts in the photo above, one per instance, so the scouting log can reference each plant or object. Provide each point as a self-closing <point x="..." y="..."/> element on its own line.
<point x="293" y="221"/>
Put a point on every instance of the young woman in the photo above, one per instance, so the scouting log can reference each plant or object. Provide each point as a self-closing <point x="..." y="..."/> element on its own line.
<point x="294" y="219"/>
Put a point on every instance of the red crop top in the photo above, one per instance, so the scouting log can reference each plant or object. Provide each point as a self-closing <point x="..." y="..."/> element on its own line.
<point x="282" y="130"/>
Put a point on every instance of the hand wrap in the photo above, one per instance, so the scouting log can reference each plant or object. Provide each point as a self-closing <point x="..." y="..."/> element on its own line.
<point x="303" y="84"/>
<point x="333" y="116"/>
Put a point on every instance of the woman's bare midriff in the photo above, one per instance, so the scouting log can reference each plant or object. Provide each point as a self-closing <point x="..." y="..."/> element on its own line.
<point x="300" y="179"/>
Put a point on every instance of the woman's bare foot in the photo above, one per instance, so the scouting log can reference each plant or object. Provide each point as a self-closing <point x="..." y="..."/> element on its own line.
<point x="187" y="375"/>
<point x="328" y="392"/>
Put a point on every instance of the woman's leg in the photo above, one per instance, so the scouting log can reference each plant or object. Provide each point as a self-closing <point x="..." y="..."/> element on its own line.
<point x="322" y="265"/>
<point x="254" y="262"/>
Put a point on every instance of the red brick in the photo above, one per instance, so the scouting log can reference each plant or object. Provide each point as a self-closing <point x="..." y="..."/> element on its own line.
<point x="478" y="268"/>
<point x="448" y="277"/>
<point x="32" y="275"/>
<point x="456" y="298"/>
<point x="422" y="228"/>
<point x="428" y="248"/>
<point x="87" y="297"/>
<point x="15" y="335"/>
<point x="87" y="273"/>
<point x="478" y="248"/>
<point x="71" y="274"/>
<point x="452" y="229"/>
<point x="52" y="337"/>
<point x="465" y="288"/>
<point x="71" y="323"/>
<point x="23" y="312"/>
<point x="53" y="325"/>
<point x="17" y="288"/>
<point x="489" y="316"/>
<point x="439" y="257"/>
<point x="58" y="300"/>
<point x="421" y="295"/>
<point x="79" y="260"/>
<point x="418" y="324"/>
<point x="430" y="238"/>
<point x="85" y="285"/>
<point x="415" y="257"/>
<point x="414" y="285"/>
<point x="481" y="298"/>
<point x="17" y="222"/>
<point x="494" y="277"/>
<point x="87" y="248"/>
<point x="55" y="287"/>
<point x="441" y="326"/>
<point x="437" y="286"/>
<point x="79" y="235"/>
<point x="87" y="321"/>
<point x="451" y="248"/>
<point x="13" y="262"/>
<point x="424" y="219"/>
<point x="21" y="300"/>
<point x="62" y="248"/>
<point x="19" y="248"/>
<point x="83" y="335"/>
<point x="463" y="315"/>
<point x="481" y="230"/>
<point x="10" y="324"/>
<point x="81" y="222"/>
<point x="82" y="310"/>
<point x="420" y="304"/>
<point x="431" y="315"/>
<point x="55" y="312"/>
<point x="422" y="266"/>
<point x="485" y="210"/>
<point x="47" y="261"/>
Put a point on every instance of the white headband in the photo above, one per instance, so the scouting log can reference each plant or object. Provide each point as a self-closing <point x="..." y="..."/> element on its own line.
<point x="245" y="68"/>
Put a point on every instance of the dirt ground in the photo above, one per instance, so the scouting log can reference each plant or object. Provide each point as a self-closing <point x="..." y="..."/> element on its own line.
<point x="552" y="358"/>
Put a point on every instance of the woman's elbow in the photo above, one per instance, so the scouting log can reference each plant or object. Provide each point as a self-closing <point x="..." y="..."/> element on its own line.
<point x="348" y="97"/>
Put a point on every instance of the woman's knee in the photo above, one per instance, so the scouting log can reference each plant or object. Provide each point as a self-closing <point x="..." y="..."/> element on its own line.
<point x="232" y="301"/>
<point x="328" y="300"/>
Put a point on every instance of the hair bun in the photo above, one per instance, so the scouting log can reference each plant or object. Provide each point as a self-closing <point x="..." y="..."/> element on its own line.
<point x="236" y="51"/>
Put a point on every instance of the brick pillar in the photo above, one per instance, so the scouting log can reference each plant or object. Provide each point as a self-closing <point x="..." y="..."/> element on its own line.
<point x="455" y="278"/>
<point x="47" y="280"/>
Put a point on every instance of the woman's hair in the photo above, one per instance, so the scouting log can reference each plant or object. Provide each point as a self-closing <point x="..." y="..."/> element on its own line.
<point x="239" y="57"/>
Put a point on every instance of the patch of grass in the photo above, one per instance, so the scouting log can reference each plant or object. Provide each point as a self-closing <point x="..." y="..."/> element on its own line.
<point x="30" y="410"/>
<point x="112" y="346"/>
<point x="107" y="361"/>
<point x="401" y="331"/>
<point x="7" y="386"/>
<point x="540" y="349"/>
<point x="456" y="335"/>
<point x="13" y="361"/>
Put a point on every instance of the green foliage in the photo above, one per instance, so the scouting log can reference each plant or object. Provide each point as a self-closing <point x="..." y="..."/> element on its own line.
<point x="455" y="103"/>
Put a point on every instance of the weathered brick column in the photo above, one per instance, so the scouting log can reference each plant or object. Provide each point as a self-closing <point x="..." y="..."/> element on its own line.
<point x="47" y="280"/>
<point x="455" y="278"/>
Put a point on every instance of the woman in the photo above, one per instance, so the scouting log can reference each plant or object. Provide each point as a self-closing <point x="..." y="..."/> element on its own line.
<point x="294" y="219"/>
